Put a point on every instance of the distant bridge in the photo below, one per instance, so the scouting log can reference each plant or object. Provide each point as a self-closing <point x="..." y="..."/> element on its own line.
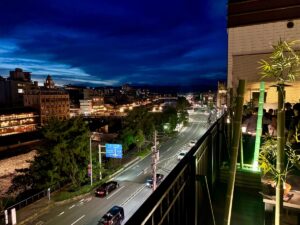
<point x="168" y="98"/>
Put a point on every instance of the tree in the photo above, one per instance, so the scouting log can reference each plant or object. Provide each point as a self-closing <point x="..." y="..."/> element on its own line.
<point x="127" y="138"/>
<point x="139" y="139"/>
<point x="182" y="106"/>
<point x="138" y="120"/>
<point x="169" y="116"/>
<point x="62" y="158"/>
<point x="281" y="66"/>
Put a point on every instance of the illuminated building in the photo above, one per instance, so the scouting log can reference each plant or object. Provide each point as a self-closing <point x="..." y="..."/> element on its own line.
<point x="50" y="101"/>
<point x="253" y="27"/>
<point x="221" y="95"/>
<point x="86" y="107"/>
<point x="14" y="121"/>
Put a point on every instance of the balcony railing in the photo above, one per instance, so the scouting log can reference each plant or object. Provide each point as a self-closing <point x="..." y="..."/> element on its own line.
<point x="183" y="197"/>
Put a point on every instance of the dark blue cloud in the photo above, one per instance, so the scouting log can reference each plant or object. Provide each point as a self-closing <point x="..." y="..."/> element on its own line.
<point x="111" y="42"/>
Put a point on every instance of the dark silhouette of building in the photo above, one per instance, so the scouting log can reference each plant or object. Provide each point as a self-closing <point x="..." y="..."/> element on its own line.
<point x="12" y="88"/>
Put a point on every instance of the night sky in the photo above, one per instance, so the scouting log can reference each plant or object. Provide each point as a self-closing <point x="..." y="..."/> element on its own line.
<point x="112" y="42"/>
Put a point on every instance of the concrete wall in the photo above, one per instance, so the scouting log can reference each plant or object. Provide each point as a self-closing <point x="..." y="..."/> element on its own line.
<point x="249" y="44"/>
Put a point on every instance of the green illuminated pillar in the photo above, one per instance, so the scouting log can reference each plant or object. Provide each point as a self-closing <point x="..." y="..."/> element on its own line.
<point x="242" y="152"/>
<point x="259" y="124"/>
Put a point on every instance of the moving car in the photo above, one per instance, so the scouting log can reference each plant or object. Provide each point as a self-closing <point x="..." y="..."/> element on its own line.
<point x="192" y="143"/>
<point x="181" y="154"/>
<point x="159" y="178"/>
<point x="114" y="216"/>
<point x="106" y="188"/>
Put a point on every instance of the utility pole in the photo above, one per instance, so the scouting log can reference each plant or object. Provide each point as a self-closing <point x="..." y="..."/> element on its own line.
<point x="100" y="160"/>
<point x="90" y="166"/>
<point x="155" y="158"/>
<point x="91" y="163"/>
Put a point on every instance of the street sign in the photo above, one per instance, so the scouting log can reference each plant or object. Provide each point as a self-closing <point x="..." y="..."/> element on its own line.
<point x="113" y="151"/>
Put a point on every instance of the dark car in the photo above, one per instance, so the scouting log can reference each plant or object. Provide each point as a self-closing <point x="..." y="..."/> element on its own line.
<point x="106" y="188"/>
<point x="114" y="216"/>
<point x="159" y="178"/>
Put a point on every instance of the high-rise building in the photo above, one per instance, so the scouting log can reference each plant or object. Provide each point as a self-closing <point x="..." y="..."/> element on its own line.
<point x="253" y="27"/>
<point x="49" y="100"/>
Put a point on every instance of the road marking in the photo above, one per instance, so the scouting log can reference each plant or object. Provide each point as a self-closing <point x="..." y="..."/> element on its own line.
<point x="133" y="195"/>
<point x="71" y="206"/>
<point x="61" y="213"/>
<point x="169" y="149"/>
<point x="77" y="220"/>
<point x="119" y="189"/>
<point x="39" y="223"/>
<point x="88" y="199"/>
<point x="139" y="173"/>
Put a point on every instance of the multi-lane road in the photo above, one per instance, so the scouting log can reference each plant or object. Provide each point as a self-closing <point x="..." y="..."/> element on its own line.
<point x="132" y="191"/>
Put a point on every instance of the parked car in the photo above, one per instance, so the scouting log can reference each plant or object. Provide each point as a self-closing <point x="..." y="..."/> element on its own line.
<point x="181" y="154"/>
<point x="106" y="188"/>
<point x="159" y="178"/>
<point x="114" y="216"/>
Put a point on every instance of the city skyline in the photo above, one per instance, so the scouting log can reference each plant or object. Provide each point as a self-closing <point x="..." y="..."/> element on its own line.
<point x="181" y="43"/>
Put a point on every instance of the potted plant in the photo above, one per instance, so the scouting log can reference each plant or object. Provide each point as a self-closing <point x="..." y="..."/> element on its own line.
<point x="267" y="162"/>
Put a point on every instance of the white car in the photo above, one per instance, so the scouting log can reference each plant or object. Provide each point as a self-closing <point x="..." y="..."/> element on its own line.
<point x="192" y="143"/>
<point x="181" y="154"/>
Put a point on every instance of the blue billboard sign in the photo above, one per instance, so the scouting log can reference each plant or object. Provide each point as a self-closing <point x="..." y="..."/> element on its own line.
<point x="113" y="151"/>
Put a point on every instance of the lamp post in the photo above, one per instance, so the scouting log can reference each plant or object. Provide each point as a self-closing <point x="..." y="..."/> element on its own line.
<point x="91" y="164"/>
<point x="100" y="162"/>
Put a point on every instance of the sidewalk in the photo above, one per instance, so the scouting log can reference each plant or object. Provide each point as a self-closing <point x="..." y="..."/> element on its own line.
<point x="32" y="211"/>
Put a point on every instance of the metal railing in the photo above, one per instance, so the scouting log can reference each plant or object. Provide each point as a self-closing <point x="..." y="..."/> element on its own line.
<point x="183" y="197"/>
<point x="28" y="201"/>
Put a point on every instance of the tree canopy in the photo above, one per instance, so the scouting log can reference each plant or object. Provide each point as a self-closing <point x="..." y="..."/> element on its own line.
<point x="62" y="158"/>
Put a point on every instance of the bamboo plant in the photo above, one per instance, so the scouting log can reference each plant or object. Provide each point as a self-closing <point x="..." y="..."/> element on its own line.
<point x="281" y="66"/>
<point x="268" y="155"/>
<point x="237" y="122"/>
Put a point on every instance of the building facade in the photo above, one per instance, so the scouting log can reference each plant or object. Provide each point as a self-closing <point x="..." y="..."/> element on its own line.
<point x="12" y="88"/>
<point x="14" y="121"/>
<point x="86" y="107"/>
<point x="253" y="27"/>
<point x="50" y="101"/>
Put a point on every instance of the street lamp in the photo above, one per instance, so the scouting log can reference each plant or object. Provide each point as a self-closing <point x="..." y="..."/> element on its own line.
<point x="91" y="164"/>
